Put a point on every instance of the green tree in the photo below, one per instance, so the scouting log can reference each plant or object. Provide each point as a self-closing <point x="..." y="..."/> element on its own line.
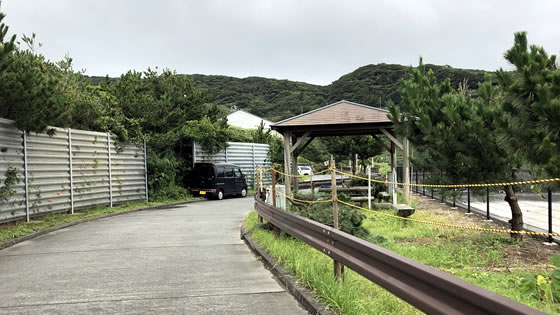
<point x="347" y="147"/>
<point x="171" y="113"/>
<point x="532" y="105"/>
<point x="455" y="134"/>
<point x="6" y="47"/>
<point x="28" y="83"/>
<point x="260" y="135"/>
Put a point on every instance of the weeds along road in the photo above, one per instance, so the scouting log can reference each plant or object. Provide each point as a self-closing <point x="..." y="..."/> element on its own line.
<point x="186" y="259"/>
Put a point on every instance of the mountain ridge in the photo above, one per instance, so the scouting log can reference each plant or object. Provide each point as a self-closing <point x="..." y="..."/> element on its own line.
<point x="277" y="99"/>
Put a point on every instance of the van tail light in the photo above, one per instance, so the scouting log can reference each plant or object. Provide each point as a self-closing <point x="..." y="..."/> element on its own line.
<point x="211" y="190"/>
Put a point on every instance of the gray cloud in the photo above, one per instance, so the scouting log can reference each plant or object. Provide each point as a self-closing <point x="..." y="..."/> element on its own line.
<point x="304" y="40"/>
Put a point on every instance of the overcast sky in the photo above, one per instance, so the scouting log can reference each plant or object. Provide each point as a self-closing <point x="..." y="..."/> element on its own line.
<point x="314" y="41"/>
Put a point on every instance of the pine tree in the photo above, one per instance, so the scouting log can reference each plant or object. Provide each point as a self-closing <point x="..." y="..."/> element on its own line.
<point x="455" y="133"/>
<point x="531" y="108"/>
<point x="6" y="47"/>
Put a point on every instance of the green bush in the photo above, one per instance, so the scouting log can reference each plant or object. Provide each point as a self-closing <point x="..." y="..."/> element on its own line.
<point x="170" y="192"/>
<point x="350" y="220"/>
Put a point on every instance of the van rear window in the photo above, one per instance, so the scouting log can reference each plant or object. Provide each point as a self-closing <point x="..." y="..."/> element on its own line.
<point x="204" y="170"/>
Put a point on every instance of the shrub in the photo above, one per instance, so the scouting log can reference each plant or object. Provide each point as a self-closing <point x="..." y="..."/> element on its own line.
<point x="350" y="220"/>
<point x="170" y="192"/>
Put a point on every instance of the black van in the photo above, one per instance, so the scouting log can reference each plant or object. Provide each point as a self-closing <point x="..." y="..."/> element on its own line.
<point x="218" y="180"/>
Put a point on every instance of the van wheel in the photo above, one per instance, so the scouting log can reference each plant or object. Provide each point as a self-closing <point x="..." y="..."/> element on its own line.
<point x="243" y="192"/>
<point x="220" y="195"/>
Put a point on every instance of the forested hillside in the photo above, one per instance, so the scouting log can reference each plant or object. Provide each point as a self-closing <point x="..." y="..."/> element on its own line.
<point x="276" y="99"/>
<point x="279" y="99"/>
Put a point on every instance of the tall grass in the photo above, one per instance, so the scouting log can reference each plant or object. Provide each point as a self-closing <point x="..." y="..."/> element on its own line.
<point x="470" y="255"/>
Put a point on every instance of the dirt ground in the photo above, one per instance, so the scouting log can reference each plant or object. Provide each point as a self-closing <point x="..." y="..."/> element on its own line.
<point x="531" y="252"/>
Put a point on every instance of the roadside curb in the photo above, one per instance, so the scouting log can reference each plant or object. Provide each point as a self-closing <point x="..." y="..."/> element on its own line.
<point x="33" y="235"/>
<point x="303" y="295"/>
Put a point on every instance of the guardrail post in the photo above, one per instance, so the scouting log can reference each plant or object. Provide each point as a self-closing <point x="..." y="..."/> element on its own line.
<point x="337" y="266"/>
<point x="549" y="214"/>
<point x="71" y="175"/>
<point x="25" y="176"/>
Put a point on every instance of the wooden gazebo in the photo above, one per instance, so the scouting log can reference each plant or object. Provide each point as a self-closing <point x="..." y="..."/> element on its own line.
<point x="342" y="118"/>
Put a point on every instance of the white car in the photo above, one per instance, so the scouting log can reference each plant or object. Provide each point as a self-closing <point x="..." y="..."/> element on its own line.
<point x="304" y="170"/>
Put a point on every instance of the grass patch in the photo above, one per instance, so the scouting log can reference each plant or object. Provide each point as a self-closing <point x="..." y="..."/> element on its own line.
<point x="492" y="261"/>
<point x="17" y="229"/>
<point x="355" y="295"/>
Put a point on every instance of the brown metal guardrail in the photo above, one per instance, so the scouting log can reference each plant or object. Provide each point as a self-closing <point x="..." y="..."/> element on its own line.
<point x="427" y="288"/>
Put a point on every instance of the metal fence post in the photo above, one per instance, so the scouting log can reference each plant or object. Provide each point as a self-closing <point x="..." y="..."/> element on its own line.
<point x="225" y="153"/>
<point x="487" y="203"/>
<point x="454" y="197"/>
<point x="432" y="197"/>
<point x="337" y="266"/>
<point x="257" y="183"/>
<point x="71" y="175"/>
<point x="145" y="171"/>
<point x="110" y="174"/>
<point x="468" y="200"/>
<point x="423" y="182"/>
<point x="254" y="165"/>
<point x="25" y="175"/>
<point x="416" y="180"/>
<point x="549" y="214"/>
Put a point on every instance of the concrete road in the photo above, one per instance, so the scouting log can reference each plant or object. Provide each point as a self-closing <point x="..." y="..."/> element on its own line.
<point x="187" y="259"/>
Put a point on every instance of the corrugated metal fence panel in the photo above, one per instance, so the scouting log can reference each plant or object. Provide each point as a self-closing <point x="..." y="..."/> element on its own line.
<point x="48" y="172"/>
<point x="48" y="159"/>
<point x="245" y="155"/>
<point x="127" y="168"/>
<point x="11" y="156"/>
<point x="90" y="168"/>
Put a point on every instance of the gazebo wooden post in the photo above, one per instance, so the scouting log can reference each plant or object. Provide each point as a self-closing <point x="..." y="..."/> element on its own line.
<point x="295" y="164"/>
<point x="394" y="172"/>
<point x="406" y="172"/>
<point x="287" y="168"/>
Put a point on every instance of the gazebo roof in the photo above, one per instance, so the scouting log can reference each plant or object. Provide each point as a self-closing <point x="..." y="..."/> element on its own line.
<point x="337" y="119"/>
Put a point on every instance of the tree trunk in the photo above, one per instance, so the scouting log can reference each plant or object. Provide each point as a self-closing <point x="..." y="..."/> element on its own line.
<point x="516" y="214"/>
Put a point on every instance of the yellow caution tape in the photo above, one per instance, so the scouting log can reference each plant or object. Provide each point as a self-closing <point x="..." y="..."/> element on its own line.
<point x="475" y="228"/>
<point x="536" y="181"/>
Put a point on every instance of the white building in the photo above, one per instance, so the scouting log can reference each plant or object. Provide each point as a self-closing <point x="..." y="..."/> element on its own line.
<point x="243" y="119"/>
